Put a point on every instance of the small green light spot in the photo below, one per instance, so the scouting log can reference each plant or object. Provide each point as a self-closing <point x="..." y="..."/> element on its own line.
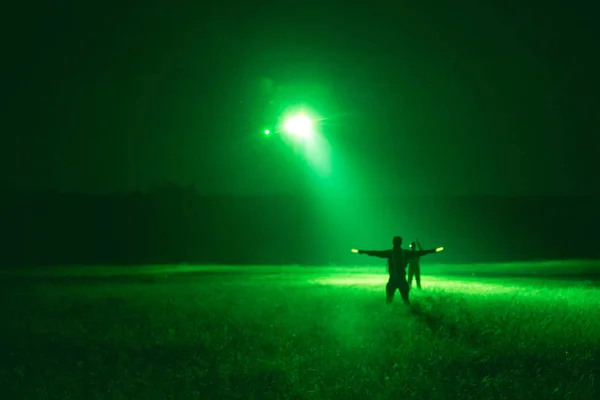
<point x="354" y="250"/>
<point x="267" y="132"/>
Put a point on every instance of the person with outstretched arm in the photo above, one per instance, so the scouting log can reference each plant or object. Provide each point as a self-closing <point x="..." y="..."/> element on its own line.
<point x="414" y="265"/>
<point x="397" y="259"/>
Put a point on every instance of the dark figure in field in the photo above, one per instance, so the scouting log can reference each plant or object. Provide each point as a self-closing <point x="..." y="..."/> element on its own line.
<point x="414" y="265"/>
<point x="397" y="261"/>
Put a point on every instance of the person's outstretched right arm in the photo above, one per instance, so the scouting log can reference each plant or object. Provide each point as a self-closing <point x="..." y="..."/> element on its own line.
<point x="376" y="253"/>
<point x="425" y="252"/>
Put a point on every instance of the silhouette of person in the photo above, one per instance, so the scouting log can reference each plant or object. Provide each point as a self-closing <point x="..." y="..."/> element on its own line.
<point x="397" y="262"/>
<point x="414" y="265"/>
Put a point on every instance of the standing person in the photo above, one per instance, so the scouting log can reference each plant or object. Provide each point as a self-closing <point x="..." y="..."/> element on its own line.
<point x="397" y="260"/>
<point x="414" y="265"/>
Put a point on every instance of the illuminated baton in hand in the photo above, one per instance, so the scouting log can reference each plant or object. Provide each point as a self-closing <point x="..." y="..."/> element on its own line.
<point x="354" y="250"/>
<point x="439" y="249"/>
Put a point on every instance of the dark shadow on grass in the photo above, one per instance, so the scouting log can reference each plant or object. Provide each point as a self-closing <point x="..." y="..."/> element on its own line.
<point x="446" y="326"/>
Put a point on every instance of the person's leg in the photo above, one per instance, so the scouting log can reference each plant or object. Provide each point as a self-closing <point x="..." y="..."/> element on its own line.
<point x="404" y="291"/>
<point x="410" y="274"/>
<point x="390" y="289"/>
<point x="418" y="276"/>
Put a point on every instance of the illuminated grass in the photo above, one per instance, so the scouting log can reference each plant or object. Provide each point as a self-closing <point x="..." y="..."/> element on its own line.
<point x="298" y="334"/>
<point x="533" y="268"/>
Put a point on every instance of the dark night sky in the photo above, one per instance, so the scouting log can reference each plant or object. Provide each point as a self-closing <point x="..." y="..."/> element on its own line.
<point x="452" y="99"/>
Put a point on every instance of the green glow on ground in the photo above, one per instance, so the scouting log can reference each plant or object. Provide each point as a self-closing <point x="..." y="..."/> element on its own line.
<point x="375" y="282"/>
<point x="363" y="280"/>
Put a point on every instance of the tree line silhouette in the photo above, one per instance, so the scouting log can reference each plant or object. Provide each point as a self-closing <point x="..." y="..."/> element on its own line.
<point x="175" y="224"/>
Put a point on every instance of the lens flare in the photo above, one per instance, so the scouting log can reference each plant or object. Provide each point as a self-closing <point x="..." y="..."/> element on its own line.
<point x="299" y="125"/>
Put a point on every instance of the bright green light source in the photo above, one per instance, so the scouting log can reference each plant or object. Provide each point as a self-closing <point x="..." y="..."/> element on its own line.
<point x="354" y="251"/>
<point x="299" y="125"/>
<point x="267" y="132"/>
<point x="439" y="249"/>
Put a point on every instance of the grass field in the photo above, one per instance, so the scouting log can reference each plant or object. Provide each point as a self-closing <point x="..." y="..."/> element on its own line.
<point x="189" y="332"/>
